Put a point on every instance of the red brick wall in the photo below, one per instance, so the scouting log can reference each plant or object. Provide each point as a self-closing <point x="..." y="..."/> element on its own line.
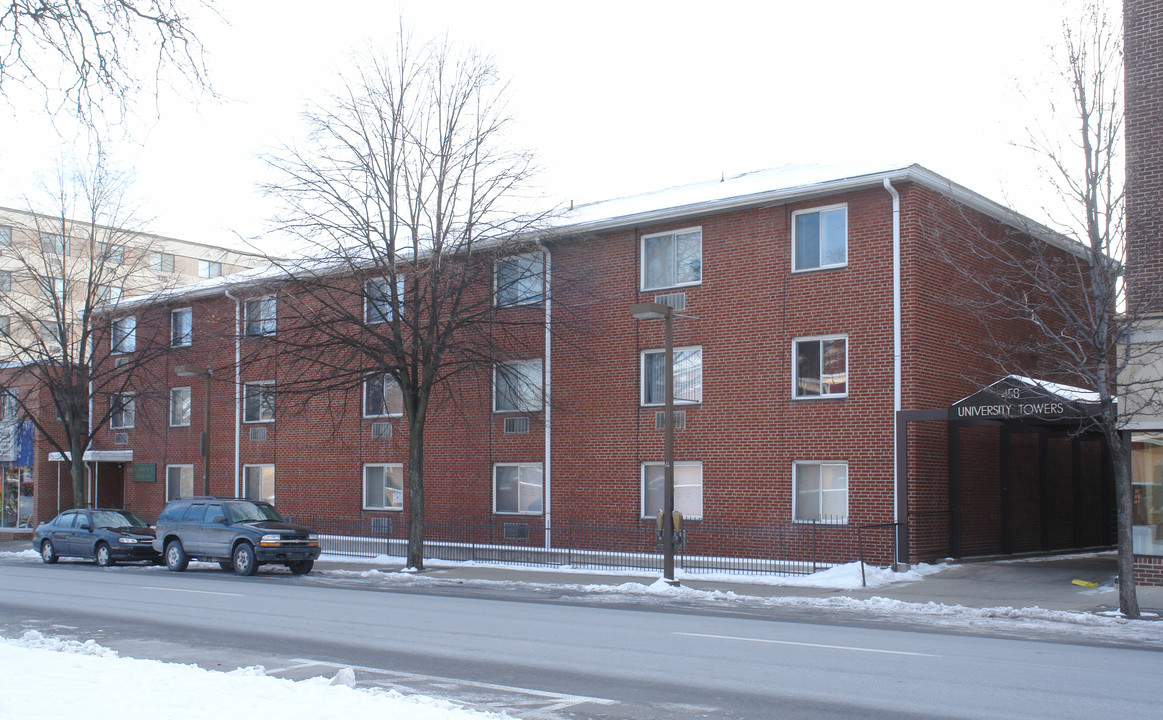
<point x="1143" y="61"/>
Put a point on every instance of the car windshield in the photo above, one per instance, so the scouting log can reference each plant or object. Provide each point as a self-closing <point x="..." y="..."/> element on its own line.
<point x="246" y="511"/>
<point x="115" y="519"/>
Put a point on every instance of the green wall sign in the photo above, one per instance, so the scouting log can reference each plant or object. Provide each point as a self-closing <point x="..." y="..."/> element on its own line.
<point x="144" y="472"/>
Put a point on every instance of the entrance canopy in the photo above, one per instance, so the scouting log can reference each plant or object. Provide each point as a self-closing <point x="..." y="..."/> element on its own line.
<point x="118" y="456"/>
<point x="1015" y="397"/>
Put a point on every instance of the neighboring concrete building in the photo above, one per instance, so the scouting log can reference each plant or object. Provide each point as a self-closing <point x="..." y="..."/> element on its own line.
<point x="822" y="355"/>
<point x="1143" y="404"/>
<point x="44" y="259"/>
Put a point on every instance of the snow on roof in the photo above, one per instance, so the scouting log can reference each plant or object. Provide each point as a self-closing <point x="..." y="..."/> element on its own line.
<point x="1066" y="392"/>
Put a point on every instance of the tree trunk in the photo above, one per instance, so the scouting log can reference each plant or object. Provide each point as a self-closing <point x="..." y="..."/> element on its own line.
<point x="77" y="473"/>
<point x="1120" y="459"/>
<point x="416" y="494"/>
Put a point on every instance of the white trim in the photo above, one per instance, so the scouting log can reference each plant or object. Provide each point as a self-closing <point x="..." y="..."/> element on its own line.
<point x="115" y="348"/>
<point x="119" y="456"/>
<point x="255" y="422"/>
<point x="795" y="367"/>
<point x="659" y="463"/>
<point x="189" y="408"/>
<point x="384" y="377"/>
<point x="642" y="259"/>
<point x="642" y="376"/>
<point x="274" y="318"/>
<point x="112" y="413"/>
<point x="795" y="489"/>
<point x="399" y="299"/>
<point x="363" y="487"/>
<point x="175" y="311"/>
<point x="519" y="513"/>
<point x="546" y="478"/>
<point x="820" y="210"/>
<point x="536" y="407"/>
<point x="166" y="481"/>
<point x="497" y="285"/>
<point x="246" y="467"/>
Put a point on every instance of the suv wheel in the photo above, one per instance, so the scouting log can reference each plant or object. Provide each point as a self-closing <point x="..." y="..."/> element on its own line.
<point x="176" y="557"/>
<point x="243" y="559"/>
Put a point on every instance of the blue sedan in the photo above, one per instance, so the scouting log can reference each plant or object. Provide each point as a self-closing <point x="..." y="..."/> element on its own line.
<point x="101" y="534"/>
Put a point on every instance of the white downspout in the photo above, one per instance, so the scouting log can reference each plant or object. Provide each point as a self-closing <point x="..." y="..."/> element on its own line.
<point x="547" y="406"/>
<point x="896" y="343"/>
<point x="237" y="388"/>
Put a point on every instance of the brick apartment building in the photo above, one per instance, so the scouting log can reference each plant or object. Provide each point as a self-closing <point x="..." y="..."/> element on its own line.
<point x="821" y="353"/>
<point x="1143" y="61"/>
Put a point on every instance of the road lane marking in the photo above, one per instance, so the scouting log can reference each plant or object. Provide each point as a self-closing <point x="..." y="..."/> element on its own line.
<point x="815" y="645"/>
<point x="199" y="592"/>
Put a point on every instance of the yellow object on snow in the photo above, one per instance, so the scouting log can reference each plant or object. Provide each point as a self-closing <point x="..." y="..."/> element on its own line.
<point x="1083" y="583"/>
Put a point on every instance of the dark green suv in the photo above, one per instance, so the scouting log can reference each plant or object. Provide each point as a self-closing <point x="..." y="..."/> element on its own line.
<point x="236" y="533"/>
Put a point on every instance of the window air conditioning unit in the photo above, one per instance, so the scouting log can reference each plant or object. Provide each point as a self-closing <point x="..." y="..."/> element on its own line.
<point x="679" y="420"/>
<point x="516" y="425"/>
<point x="675" y="301"/>
<point x="121" y="438"/>
<point x="258" y="433"/>
<point x="516" y="531"/>
<point x="381" y="429"/>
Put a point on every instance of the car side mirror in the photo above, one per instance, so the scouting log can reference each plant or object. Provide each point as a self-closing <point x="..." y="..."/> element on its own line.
<point x="85" y="526"/>
<point x="218" y="520"/>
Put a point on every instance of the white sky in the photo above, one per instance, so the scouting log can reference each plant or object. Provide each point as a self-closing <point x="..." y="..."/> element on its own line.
<point x="614" y="97"/>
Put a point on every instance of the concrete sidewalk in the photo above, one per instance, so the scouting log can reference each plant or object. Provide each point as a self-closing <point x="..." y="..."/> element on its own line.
<point x="1043" y="582"/>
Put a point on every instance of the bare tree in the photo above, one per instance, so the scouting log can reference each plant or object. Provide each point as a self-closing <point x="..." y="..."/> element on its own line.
<point x="88" y="55"/>
<point x="404" y="196"/>
<point x="1069" y="291"/>
<point x="63" y="277"/>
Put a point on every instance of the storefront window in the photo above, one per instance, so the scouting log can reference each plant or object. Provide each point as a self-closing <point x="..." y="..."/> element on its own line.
<point x="16" y="497"/>
<point x="1147" y="492"/>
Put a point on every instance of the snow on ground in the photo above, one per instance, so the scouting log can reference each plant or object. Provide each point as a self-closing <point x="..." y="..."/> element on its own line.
<point x="35" y="668"/>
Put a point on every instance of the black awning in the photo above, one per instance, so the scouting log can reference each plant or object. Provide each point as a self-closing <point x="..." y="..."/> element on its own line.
<point x="1021" y="398"/>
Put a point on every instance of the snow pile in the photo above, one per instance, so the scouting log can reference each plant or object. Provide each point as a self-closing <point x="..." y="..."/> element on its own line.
<point x="28" y="554"/>
<point x="100" y="683"/>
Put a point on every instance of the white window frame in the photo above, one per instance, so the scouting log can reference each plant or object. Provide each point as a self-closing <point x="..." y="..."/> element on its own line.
<point x="187" y="468"/>
<point x="795" y="260"/>
<point x="386" y="467"/>
<point x="642" y="259"/>
<point x="267" y="320"/>
<point x="124" y="335"/>
<point x="385" y="379"/>
<point x="795" y="367"/>
<point x="110" y="253"/>
<point x="158" y="261"/>
<point x="537" y="377"/>
<point x="382" y="315"/>
<point x="189" y="406"/>
<point x="189" y="336"/>
<point x="646" y="513"/>
<point x="540" y="467"/>
<point x="519" y="282"/>
<point x="268" y="386"/>
<point x="795" y="491"/>
<point x="677" y="400"/>
<point x="59" y="246"/>
<point x="260" y="467"/>
<point x="5" y="280"/>
<point x="128" y="400"/>
<point x="209" y="269"/>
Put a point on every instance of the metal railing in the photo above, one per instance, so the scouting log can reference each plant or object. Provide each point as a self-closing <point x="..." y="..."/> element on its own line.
<point x="786" y="549"/>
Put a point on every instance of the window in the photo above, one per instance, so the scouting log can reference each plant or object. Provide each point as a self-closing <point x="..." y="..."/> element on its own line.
<point x="124" y="411"/>
<point x="162" y="262"/>
<point x="688" y="489"/>
<point x="381" y="396"/>
<point x="258" y="402"/>
<point x="517" y="386"/>
<point x="53" y="289"/>
<point x="9" y="404"/>
<point x="5" y="325"/>
<point x="5" y="235"/>
<point x="5" y="281"/>
<point x="821" y="367"/>
<point x="208" y="269"/>
<point x="180" y="407"/>
<point x="820" y="238"/>
<point x="110" y="254"/>
<point x="181" y="327"/>
<point x="383" y="487"/>
<point x="179" y="481"/>
<point x="258" y="483"/>
<point x="688" y="376"/>
<point x="517" y="488"/>
<point x="672" y="259"/>
<point x="821" y="492"/>
<point x="377" y="306"/>
<point x="54" y="244"/>
<point x="260" y="316"/>
<point x="108" y="294"/>
<point x="125" y="334"/>
<point x="519" y="280"/>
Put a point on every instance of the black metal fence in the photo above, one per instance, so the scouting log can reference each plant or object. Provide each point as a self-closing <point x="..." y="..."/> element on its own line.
<point x="788" y="549"/>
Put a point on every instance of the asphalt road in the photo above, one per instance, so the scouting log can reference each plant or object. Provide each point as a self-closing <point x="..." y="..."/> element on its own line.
<point x="554" y="659"/>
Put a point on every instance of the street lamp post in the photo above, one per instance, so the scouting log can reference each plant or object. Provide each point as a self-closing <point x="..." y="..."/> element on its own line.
<point x="655" y="311"/>
<point x="195" y="371"/>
